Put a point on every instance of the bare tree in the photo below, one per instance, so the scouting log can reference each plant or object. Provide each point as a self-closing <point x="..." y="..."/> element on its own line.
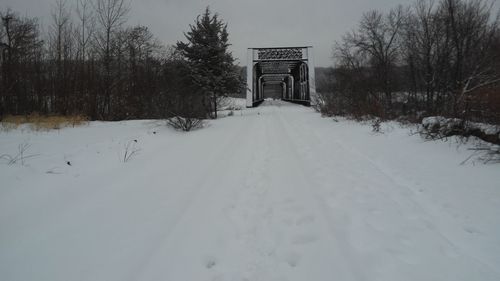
<point x="473" y="35"/>
<point x="61" y="46"/>
<point x="353" y="89"/>
<point x="441" y="57"/>
<point x="21" y="48"/>
<point x="85" y="89"/>
<point x="425" y="52"/>
<point x="367" y="59"/>
<point x="86" y="26"/>
<point x="60" y="30"/>
<point x="377" y="37"/>
<point x="110" y="15"/>
<point x="103" y="70"/>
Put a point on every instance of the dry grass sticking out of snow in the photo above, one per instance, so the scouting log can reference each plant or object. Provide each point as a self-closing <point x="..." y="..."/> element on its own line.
<point x="39" y="122"/>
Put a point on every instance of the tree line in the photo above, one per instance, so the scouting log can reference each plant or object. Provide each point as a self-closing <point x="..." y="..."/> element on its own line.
<point x="89" y="62"/>
<point x="431" y="58"/>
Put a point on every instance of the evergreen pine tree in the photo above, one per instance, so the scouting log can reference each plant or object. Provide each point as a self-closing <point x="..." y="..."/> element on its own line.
<point x="211" y="63"/>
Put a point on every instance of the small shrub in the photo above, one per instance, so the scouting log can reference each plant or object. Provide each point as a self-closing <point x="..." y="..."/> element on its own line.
<point x="376" y="126"/>
<point x="185" y="123"/>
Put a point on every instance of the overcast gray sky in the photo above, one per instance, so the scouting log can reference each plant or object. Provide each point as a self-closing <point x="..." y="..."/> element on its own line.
<point x="252" y="23"/>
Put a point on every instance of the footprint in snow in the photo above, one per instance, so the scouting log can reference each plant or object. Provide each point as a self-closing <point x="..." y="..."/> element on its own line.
<point x="293" y="259"/>
<point x="472" y="230"/>
<point x="209" y="261"/>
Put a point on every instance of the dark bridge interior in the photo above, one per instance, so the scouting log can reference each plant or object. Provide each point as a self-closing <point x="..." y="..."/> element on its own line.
<point x="287" y="80"/>
<point x="285" y="73"/>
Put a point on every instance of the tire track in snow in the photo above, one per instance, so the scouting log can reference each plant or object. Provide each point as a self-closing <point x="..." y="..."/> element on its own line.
<point x="252" y="215"/>
<point x="288" y="238"/>
<point x="222" y="155"/>
<point x="370" y="164"/>
<point x="346" y="259"/>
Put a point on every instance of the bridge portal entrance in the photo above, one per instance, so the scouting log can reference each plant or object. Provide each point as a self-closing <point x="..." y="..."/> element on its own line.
<point x="285" y="73"/>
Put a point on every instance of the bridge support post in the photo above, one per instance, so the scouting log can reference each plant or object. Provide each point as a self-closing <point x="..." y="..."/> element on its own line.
<point x="250" y="81"/>
<point x="313" y="96"/>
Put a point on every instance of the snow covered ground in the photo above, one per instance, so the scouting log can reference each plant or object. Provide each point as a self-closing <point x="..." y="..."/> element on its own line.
<point x="271" y="193"/>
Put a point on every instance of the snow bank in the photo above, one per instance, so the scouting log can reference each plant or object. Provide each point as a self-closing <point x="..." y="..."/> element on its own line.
<point x="442" y="127"/>
<point x="272" y="193"/>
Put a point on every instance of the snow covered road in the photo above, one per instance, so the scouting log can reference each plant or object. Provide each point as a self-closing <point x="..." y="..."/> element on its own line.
<point x="273" y="193"/>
